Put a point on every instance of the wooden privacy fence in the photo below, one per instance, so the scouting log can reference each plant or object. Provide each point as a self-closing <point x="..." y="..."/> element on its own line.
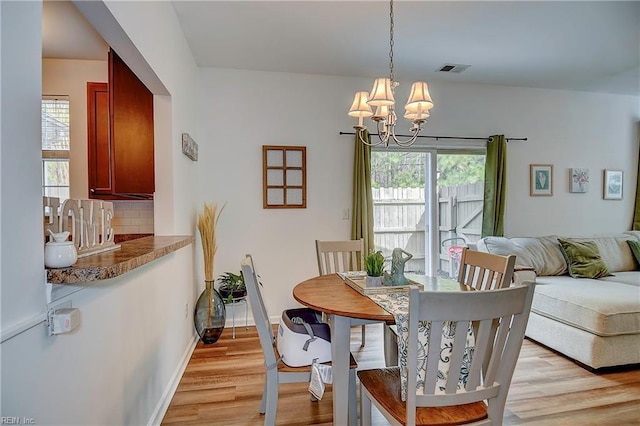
<point x="400" y="220"/>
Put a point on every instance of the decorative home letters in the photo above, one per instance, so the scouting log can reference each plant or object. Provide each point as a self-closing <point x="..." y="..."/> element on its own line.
<point x="88" y="222"/>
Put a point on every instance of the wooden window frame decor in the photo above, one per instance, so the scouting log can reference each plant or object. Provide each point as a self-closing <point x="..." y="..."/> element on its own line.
<point x="284" y="177"/>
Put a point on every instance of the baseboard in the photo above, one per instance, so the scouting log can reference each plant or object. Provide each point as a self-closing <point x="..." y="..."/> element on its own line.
<point x="167" y="395"/>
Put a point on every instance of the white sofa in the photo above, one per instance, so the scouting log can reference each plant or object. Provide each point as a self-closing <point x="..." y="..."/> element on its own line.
<point x="593" y="321"/>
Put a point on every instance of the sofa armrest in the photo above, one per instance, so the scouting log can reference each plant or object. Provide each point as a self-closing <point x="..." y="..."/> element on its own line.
<point x="522" y="274"/>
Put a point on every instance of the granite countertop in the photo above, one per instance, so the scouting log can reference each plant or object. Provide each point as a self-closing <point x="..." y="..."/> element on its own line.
<point x="119" y="238"/>
<point x="131" y="254"/>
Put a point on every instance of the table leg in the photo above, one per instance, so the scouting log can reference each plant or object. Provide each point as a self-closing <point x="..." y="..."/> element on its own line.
<point x="340" y="354"/>
<point x="390" y="346"/>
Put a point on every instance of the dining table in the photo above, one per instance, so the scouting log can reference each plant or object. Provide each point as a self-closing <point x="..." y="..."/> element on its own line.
<point x="344" y="307"/>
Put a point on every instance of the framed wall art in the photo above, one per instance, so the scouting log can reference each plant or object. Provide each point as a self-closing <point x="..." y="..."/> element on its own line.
<point x="540" y="179"/>
<point x="578" y="180"/>
<point x="284" y="177"/>
<point x="189" y="147"/>
<point x="612" y="185"/>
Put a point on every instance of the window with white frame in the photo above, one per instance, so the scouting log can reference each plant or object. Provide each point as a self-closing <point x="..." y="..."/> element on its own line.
<point x="55" y="146"/>
<point x="421" y="188"/>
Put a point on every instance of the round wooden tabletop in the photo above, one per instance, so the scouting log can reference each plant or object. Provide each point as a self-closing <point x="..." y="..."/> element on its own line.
<point x="329" y="294"/>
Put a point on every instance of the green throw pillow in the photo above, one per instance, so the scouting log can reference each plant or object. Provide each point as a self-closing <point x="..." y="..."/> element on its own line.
<point x="635" y="249"/>
<point x="583" y="259"/>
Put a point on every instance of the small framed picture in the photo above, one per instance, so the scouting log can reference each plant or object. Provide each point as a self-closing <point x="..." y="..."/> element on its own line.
<point x="579" y="180"/>
<point x="612" y="185"/>
<point x="540" y="179"/>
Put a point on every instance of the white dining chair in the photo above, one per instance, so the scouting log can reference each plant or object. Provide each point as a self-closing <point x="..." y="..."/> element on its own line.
<point x="485" y="271"/>
<point x="433" y="396"/>
<point x="277" y="371"/>
<point x="478" y="270"/>
<point x="341" y="256"/>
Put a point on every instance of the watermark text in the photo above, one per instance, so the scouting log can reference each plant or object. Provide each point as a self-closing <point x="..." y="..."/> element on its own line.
<point x="16" y="420"/>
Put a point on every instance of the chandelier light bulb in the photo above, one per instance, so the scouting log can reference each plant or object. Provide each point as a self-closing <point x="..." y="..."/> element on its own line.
<point x="360" y="107"/>
<point x="419" y="99"/>
<point x="382" y="112"/>
<point x="381" y="93"/>
<point x="413" y="116"/>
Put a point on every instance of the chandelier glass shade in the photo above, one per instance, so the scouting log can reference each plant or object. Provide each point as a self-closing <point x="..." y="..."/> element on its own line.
<point x="382" y="98"/>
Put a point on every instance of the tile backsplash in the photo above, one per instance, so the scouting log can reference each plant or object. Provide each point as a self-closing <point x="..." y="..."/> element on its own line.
<point x="133" y="217"/>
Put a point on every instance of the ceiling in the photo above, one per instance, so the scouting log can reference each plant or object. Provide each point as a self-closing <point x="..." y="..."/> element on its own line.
<point x="575" y="45"/>
<point x="66" y="34"/>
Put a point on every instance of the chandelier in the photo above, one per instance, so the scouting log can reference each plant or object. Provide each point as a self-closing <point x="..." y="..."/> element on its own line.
<point x="381" y="97"/>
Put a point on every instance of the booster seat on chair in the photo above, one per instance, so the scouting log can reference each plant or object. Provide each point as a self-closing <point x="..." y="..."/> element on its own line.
<point x="302" y="337"/>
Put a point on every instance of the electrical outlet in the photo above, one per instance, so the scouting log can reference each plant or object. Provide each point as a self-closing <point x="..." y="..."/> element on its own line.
<point x="345" y="214"/>
<point x="50" y="311"/>
<point x="186" y="310"/>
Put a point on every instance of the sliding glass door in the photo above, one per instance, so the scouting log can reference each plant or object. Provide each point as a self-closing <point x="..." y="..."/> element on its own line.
<point x="423" y="189"/>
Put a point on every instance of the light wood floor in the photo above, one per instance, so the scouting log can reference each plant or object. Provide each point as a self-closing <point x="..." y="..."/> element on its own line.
<point x="222" y="385"/>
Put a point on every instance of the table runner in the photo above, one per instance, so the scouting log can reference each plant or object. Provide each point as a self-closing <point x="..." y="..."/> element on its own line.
<point x="397" y="304"/>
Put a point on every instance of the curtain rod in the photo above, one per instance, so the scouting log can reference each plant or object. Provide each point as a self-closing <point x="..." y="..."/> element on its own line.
<point x="444" y="137"/>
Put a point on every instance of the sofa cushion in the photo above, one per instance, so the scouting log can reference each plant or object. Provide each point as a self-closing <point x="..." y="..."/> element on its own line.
<point x="628" y="277"/>
<point x="614" y="250"/>
<point x="583" y="259"/>
<point x="635" y="249"/>
<point x="541" y="253"/>
<point x="634" y="234"/>
<point x="603" y="307"/>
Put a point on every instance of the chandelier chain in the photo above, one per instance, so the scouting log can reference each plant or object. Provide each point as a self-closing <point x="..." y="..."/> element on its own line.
<point x="391" y="42"/>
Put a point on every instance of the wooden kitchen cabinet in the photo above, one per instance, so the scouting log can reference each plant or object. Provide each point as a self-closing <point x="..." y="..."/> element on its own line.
<point x="120" y="136"/>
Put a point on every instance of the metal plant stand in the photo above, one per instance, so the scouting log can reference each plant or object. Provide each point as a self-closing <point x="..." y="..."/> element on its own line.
<point x="233" y="303"/>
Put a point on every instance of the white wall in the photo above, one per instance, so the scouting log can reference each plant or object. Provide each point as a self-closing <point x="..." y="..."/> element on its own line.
<point x="136" y="330"/>
<point x="243" y="110"/>
<point x="22" y="260"/>
<point x="70" y="77"/>
<point x="113" y="369"/>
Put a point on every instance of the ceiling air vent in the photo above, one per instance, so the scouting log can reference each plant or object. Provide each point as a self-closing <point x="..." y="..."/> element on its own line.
<point x="454" y="68"/>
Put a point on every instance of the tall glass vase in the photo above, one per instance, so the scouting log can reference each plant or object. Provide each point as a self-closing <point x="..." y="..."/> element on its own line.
<point x="210" y="314"/>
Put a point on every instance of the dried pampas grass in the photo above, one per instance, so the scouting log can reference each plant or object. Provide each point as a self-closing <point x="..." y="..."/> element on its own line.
<point x="207" y="222"/>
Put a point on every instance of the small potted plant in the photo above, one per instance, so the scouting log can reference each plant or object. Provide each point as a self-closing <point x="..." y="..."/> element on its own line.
<point x="231" y="286"/>
<point x="373" y="264"/>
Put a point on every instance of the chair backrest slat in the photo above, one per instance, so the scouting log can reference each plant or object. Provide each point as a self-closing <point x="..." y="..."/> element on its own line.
<point x="433" y="358"/>
<point x="500" y="341"/>
<point x="339" y="256"/>
<point x="482" y="333"/>
<point x="259" y="311"/>
<point x="457" y="356"/>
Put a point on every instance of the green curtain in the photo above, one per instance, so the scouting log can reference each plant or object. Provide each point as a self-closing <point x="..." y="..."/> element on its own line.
<point x="495" y="187"/>
<point x="362" y="217"/>
<point x="636" y="213"/>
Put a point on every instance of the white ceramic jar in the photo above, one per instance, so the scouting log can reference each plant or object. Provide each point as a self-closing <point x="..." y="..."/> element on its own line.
<point x="60" y="253"/>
